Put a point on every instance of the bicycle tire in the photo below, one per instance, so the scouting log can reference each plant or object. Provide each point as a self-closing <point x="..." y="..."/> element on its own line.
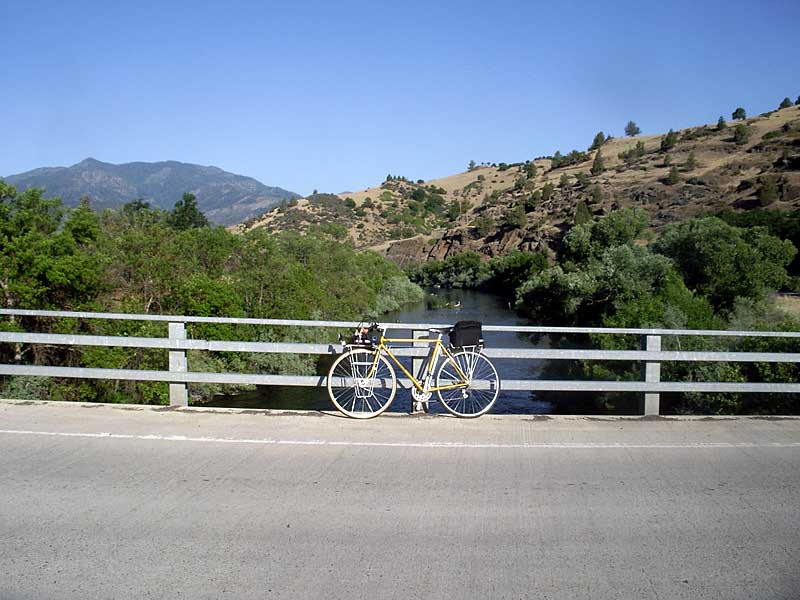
<point x="471" y="400"/>
<point x="361" y="397"/>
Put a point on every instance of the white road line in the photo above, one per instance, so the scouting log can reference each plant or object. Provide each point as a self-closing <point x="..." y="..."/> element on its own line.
<point x="277" y="442"/>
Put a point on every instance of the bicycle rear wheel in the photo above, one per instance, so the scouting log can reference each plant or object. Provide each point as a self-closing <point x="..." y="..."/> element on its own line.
<point x="471" y="397"/>
<point x="354" y="390"/>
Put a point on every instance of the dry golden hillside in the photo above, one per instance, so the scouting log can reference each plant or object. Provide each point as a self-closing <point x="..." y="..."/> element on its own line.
<point x="498" y="208"/>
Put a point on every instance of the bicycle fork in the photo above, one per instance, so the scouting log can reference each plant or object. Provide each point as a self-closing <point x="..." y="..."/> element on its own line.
<point x="364" y="375"/>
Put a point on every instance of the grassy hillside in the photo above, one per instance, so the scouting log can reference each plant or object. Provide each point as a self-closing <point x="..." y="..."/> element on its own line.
<point x="498" y="208"/>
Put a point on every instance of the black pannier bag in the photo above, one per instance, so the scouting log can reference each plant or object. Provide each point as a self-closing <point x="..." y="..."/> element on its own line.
<point x="466" y="333"/>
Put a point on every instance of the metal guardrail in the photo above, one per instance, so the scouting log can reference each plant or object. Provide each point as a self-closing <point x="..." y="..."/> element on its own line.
<point x="650" y="355"/>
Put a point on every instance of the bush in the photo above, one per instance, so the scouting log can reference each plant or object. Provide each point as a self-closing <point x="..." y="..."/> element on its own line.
<point x="742" y="133"/>
<point x="768" y="192"/>
<point x="673" y="177"/>
<point x="722" y="262"/>
<point x="599" y="164"/>
<point x="668" y="141"/>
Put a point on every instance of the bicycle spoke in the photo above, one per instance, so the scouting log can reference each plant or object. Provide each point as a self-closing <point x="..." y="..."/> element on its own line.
<point x="476" y="390"/>
<point x="358" y="387"/>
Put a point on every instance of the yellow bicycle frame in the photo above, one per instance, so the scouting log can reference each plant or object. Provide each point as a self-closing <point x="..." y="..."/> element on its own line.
<point x="433" y="356"/>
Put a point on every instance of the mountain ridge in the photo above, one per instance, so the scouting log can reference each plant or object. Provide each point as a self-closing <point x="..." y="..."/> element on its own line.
<point x="225" y="198"/>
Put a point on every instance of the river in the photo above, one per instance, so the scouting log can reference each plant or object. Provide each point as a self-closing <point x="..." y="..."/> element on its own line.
<point x="478" y="306"/>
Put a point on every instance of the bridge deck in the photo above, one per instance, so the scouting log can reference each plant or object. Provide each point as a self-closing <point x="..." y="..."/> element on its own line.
<point x="105" y="501"/>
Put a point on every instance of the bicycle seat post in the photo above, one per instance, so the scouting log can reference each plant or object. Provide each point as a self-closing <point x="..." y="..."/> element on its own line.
<point x="416" y="368"/>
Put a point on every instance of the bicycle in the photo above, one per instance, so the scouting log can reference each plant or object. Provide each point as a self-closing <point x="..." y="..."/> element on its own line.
<point x="362" y="382"/>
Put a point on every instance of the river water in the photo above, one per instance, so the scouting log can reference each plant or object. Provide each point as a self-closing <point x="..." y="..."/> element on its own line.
<point x="478" y="306"/>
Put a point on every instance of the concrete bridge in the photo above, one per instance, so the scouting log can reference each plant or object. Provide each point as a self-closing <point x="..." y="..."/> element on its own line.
<point x="102" y="501"/>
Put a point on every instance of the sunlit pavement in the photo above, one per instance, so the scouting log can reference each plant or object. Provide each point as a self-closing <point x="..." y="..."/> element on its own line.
<point x="124" y="501"/>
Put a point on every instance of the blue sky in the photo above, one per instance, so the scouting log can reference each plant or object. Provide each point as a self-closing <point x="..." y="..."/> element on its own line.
<point x="335" y="95"/>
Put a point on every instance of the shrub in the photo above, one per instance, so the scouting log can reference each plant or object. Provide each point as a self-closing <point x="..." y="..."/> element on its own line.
<point x="597" y="194"/>
<point x="721" y="124"/>
<point x="599" y="164"/>
<point x="742" y="133"/>
<point x="573" y="158"/>
<point x="484" y="224"/>
<point x="582" y="213"/>
<point x="532" y="201"/>
<point x="768" y="192"/>
<point x="668" y="141"/>
<point x="673" y="177"/>
<point x="515" y="218"/>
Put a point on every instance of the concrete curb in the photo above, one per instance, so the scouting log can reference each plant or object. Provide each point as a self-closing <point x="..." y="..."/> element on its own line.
<point x="313" y="413"/>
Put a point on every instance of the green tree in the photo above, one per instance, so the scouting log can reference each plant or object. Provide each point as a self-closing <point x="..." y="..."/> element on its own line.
<point x="673" y="177"/>
<point x="599" y="165"/>
<point x="532" y="201"/>
<point x="632" y="129"/>
<point x="742" y="133"/>
<point x="47" y="257"/>
<point x="597" y="194"/>
<point x="484" y="225"/>
<point x="739" y="114"/>
<point x="515" y="218"/>
<point x="563" y="180"/>
<point x="721" y="124"/>
<point x="786" y="103"/>
<point x="722" y="262"/>
<point x="691" y="161"/>
<point x="590" y="240"/>
<point x="547" y="191"/>
<point x="530" y="170"/>
<point x="471" y="165"/>
<point x="599" y="140"/>
<point x="186" y="215"/>
<point x="768" y="192"/>
<point x="582" y="213"/>
<point x="668" y="141"/>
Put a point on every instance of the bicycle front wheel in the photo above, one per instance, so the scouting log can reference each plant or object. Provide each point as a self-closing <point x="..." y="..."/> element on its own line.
<point x="471" y="382"/>
<point x="356" y="389"/>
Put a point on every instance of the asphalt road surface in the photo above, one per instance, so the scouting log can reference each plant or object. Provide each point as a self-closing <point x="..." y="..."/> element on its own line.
<point x="125" y="502"/>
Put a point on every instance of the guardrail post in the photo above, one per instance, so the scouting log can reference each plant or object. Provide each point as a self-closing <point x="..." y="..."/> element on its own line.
<point x="652" y="374"/>
<point x="178" y="392"/>
<point x="416" y="367"/>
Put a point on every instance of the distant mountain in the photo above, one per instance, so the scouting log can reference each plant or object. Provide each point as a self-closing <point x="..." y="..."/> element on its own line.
<point x="224" y="198"/>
